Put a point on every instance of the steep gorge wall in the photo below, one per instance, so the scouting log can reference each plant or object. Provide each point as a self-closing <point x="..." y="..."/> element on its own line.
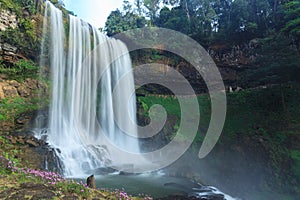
<point x="231" y="60"/>
<point x="19" y="87"/>
<point x="8" y="20"/>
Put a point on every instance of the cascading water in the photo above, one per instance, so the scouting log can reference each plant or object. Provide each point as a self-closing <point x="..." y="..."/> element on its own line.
<point x="84" y="72"/>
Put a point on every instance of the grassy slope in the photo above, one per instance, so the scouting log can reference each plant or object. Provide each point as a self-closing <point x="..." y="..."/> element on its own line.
<point x="262" y="127"/>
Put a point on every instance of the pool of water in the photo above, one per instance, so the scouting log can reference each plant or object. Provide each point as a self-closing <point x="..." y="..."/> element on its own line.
<point x="157" y="186"/>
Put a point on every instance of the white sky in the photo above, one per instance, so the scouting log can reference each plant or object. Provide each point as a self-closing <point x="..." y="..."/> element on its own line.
<point x="94" y="12"/>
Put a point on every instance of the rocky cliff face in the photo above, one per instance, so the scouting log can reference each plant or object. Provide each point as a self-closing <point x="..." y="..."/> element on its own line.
<point x="9" y="53"/>
<point x="234" y="56"/>
<point x="14" y="95"/>
<point x="230" y="59"/>
<point x="8" y="20"/>
<point x="27" y="88"/>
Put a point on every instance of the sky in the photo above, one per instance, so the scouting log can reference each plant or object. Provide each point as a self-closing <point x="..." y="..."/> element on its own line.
<point x="94" y="12"/>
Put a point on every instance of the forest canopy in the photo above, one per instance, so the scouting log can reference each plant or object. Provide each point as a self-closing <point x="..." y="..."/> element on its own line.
<point x="273" y="24"/>
<point x="211" y="20"/>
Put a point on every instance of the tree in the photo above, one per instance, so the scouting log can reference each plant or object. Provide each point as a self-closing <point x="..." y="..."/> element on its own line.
<point x="174" y="19"/>
<point x="118" y="22"/>
<point x="127" y="7"/>
<point x="152" y="7"/>
<point x="139" y="7"/>
<point x="292" y="19"/>
<point x="114" y="23"/>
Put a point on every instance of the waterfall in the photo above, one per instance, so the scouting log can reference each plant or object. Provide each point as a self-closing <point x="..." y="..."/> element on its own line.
<point x="84" y="70"/>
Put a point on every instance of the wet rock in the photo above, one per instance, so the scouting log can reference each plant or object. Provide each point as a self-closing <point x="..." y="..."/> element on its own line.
<point x="58" y="150"/>
<point x="104" y="170"/>
<point x="32" y="143"/>
<point x="177" y="197"/>
<point x="90" y="181"/>
<point x="48" y="159"/>
<point x="21" y="141"/>
<point x="212" y="196"/>
<point x="21" y="120"/>
<point x="70" y="198"/>
<point x="124" y="173"/>
<point x="209" y="196"/>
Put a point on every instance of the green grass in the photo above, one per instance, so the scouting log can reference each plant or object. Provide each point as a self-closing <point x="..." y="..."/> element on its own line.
<point x="173" y="109"/>
<point x="271" y="114"/>
<point x="170" y="104"/>
<point x="12" y="177"/>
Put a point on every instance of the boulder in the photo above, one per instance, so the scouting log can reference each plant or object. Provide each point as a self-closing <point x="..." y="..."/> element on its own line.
<point x="10" y="91"/>
<point x="23" y="91"/>
<point x="21" y="120"/>
<point x="32" y="143"/>
<point x="90" y="181"/>
<point x="7" y="20"/>
<point x="21" y="141"/>
<point x="103" y="170"/>
<point x="14" y="83"/>
<point x="31" y="84"/>
<point x="9" y="48"/>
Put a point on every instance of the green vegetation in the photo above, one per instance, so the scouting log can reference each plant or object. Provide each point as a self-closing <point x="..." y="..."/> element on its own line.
<point x="11" y="108"/>
<point x="9" y="152"/>
<point x="169" y="103"/>
<point x="279" y="63"/>
<point x="172" y="108"/>
<point x="20" y="70"/>
<point x="118" y="22"/>
<point x="292" y="18"/>
<point x="12" y="5"/>
<point x="273" y="24"/>
<point x="26" y="36"/>
<point x="15" y="177"/>
<point x="268" y="120"/>
<point x="212" y="20"/>
<point x="295" y="154"/>
<point x="270" y="117"/>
